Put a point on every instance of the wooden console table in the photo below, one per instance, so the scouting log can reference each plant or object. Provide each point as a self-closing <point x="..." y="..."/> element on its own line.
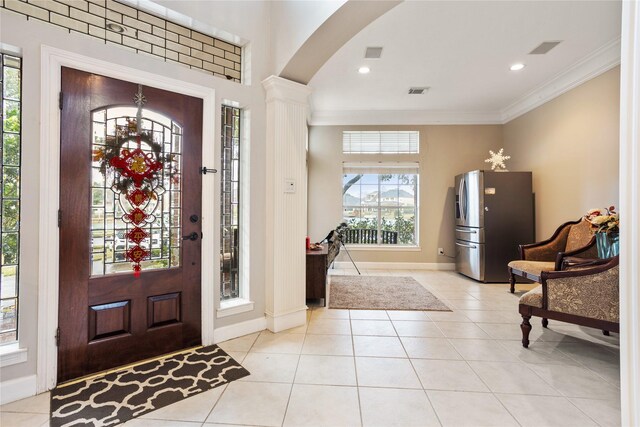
<point x="317" y="274"/>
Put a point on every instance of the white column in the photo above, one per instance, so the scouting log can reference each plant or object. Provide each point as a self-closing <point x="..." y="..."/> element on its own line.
<point x="286" y="194"/>
<point x="630" y="214"/>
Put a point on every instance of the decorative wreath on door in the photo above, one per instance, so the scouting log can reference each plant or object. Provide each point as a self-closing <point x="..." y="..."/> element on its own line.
<point x="137" y="177"/>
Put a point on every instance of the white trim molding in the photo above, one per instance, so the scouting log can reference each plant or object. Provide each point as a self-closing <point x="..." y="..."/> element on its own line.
<point x="12" y="354"/>
<point x="52" y="61"/>
<point x="437" y="266"/>
<point x="376" y="248"/>
<point x="279" y="89"/>
<point x="598" y="62"/>
<point x="245" y="205"/>
<point x="630" y="208"/>
<point x="284" y="321"/>
<point x="403" y="117"/>
<point x="240" y="329"/>
<point x="17" y="389"/>
<point x="234" y="306"/>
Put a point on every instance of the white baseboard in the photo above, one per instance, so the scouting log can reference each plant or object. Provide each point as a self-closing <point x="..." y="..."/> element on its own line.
<point x="239" y="329"/>
<point x="440" y="266"/>
<point x="17" y="389"/>
<point x="278" y="323"/>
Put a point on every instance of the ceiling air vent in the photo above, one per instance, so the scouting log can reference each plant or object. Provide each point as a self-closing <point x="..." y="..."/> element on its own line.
<point x="417" y="90"/>
<point x="545" y="47"/>
<point x="373" y="53"/>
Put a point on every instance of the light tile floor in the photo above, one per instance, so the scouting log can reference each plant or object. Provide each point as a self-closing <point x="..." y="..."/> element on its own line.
<point x="385" y="368"/>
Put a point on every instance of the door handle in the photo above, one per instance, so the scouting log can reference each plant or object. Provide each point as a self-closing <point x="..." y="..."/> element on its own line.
<point x="466" y="246"/>
<point x="192" y="236"/>
<point x="460" y="197"/>
<point x="466" y="231"/>
<point x="463" y="198"/>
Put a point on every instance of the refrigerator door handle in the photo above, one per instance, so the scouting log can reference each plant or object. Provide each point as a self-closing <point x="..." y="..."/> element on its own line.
<point x="459" y="201"/>
<point x="466" y="246"/>
<point x="466" y="231"/>
<point x="462" y="199"/>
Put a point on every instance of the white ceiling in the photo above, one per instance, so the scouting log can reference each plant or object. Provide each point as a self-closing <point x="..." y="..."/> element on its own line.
<point x="463" y="51"/>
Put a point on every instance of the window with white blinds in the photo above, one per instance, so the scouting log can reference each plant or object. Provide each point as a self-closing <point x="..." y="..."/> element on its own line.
<point x="380" y="142"/>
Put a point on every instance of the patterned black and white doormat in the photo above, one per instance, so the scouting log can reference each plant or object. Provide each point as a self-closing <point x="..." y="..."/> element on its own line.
<point x="122" y="395"/>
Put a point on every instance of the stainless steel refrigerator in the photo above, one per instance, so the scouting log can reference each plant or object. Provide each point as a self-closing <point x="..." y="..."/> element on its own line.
<point x="494" y="214"/>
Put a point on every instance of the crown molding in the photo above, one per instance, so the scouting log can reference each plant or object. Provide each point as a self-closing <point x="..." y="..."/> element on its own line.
<point x="598" y="62"/>
<point x="403" y="117"/>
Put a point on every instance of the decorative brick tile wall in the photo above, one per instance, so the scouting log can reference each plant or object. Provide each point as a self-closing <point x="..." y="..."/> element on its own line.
<point x="143" y="33"/>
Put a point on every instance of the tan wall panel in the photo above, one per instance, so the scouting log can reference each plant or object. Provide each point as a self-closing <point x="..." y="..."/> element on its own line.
<point x="445" y="151"/>
<point x="571" y="145"/>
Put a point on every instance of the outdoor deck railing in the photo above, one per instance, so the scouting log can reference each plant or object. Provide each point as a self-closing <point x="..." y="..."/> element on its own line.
<point x="367" y="236"/>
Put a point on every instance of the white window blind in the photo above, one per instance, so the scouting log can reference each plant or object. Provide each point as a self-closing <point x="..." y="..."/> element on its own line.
<point x="380" y="142"/>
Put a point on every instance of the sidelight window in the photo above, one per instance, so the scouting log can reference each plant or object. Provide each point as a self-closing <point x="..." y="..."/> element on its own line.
<point x="10" y="145"/>
<point x="380" y="203"/>
<point x="230" y="204"/>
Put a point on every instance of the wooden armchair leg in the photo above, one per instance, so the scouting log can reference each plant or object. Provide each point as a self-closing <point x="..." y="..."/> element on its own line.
<point x="526" y="328"/>
<point x="605" y="333"/>
<point x="512" y="283"/>
<point x="545" y="322"/>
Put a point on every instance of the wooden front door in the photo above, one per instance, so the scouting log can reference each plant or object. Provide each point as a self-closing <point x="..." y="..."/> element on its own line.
<point x="108" y="315"/>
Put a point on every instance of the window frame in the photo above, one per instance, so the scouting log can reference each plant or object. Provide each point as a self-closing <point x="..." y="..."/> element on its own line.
<point x="242" y="303"/>
<point x="385" y="168"/>
<point x="12" y="346"/>
<point x="227" y="170"/>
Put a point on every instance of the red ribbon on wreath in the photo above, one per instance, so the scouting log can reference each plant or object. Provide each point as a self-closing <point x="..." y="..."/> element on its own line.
<point x="140" y="167"/>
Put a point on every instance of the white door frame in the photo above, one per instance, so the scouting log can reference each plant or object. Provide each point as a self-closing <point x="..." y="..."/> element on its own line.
<point x="630" y="213"/>
<point x="52" y="61"/>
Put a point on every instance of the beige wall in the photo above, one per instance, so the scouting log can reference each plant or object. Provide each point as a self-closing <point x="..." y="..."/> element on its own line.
<point x="571" y="145"/>
<point x="445" y="151"/>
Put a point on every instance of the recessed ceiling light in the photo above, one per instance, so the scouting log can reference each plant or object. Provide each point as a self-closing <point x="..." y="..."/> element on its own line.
<point x="116" y="28"/>
<point x="363" y="70"/>
<point x="517" y="67"/>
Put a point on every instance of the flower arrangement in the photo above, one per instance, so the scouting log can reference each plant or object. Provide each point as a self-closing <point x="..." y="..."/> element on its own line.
<point x="604" y="220"/>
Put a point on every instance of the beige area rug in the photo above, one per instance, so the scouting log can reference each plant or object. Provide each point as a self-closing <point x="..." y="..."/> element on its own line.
<point x="381" y="293"/>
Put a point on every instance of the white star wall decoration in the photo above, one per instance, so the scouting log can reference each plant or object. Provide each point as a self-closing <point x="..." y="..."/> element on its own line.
<point x="497" y="160"/>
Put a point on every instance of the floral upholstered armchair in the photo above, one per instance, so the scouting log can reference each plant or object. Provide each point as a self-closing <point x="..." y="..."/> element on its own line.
<point x="573" y="239"/>
<point x="585" y="295"/>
